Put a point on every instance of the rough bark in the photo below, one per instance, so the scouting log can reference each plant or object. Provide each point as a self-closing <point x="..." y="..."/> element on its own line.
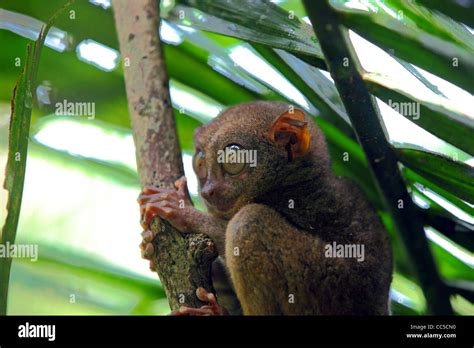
<point x="183" y="261"/>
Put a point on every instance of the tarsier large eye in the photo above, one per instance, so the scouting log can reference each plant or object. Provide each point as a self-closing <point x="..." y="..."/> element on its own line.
<point x="199" y="165"/>
<point x="233" y="162"/>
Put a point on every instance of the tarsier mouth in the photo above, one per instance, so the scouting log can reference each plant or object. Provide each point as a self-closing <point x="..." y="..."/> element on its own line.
<point x="226" y="207"/>
<point x="222" y="206"/>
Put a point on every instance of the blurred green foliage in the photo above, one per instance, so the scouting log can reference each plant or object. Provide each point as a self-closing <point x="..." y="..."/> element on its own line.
<point x="81" y="183"/>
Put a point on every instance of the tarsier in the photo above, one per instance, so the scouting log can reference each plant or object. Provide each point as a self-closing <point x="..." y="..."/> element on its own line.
<point x="272" y="222"/>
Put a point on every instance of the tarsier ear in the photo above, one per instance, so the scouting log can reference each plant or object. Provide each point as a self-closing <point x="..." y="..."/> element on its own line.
<point x="290" y="130"/>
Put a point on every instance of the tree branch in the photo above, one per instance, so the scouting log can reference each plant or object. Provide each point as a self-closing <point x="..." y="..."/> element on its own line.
<point x="183" y="261"/>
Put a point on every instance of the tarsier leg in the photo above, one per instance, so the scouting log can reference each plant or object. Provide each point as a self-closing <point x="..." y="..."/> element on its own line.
<point x="271" y="263"/>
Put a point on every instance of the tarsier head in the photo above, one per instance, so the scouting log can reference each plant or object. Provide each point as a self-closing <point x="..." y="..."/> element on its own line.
<point x="249" y="150"/>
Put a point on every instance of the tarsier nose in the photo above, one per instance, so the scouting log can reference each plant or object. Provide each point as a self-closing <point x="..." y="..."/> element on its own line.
<point x="207" y="192"/>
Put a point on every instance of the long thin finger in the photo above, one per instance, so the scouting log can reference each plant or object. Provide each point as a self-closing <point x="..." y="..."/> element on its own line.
<point x="147" y="236"/>
<point x="203" y="311"/>
<point x="202" y="294"/>
<point x="142" y="199"/>
<point x="181" y="184"/>
<point x="151" y="189"/>
<point x="162" y="209"/>
<point x="211" y="298"/>
<point x="148" y="252"/>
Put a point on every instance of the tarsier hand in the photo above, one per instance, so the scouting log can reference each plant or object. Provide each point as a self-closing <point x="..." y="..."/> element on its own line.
<point x="173" y="205"/>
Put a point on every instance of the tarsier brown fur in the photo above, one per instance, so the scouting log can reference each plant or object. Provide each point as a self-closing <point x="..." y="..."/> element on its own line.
<point x="272" y="222"/>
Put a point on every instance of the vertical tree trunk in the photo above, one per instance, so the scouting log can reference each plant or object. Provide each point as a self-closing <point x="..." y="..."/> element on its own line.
<point x="183" y="261"/>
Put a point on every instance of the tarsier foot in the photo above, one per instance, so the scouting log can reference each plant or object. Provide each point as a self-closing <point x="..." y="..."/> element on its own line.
<point x="173" y="205"/>
<point x="211" y="309"/>
<point x="146" y="247"/>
